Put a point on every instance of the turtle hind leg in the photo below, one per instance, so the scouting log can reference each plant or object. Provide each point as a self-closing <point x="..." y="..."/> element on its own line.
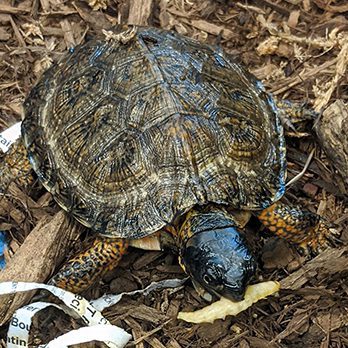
<point x="81" y="272"/>
<point x="292" y="113"/>
<point x="15" y="166"/>
<point x="297" y="225"/>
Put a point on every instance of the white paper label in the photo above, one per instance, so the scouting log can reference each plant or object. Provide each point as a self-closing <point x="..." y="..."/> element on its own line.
<point x="9" y="136"/>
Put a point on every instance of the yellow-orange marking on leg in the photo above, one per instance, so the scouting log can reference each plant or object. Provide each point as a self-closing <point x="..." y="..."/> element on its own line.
<point x="296" y="224"/>
<point x="80" y="272"/>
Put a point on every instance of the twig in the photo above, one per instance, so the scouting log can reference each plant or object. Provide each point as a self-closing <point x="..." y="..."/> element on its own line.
<point x="299" y="175"/>
<point x="150" y="333"/>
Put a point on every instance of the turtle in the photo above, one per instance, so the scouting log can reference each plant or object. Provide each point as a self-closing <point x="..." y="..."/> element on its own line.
<point x="142" y="132"/>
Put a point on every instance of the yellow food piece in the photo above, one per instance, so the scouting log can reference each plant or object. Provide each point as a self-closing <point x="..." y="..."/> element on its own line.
<point x="220" y="309"/>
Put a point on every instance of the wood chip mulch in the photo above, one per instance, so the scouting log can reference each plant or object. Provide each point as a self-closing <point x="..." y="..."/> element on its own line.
<point x="299" y="49"/>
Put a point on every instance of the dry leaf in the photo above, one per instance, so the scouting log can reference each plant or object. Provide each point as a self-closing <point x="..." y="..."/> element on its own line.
<point x="293" y="19"/>
<point x="98" y="4"/>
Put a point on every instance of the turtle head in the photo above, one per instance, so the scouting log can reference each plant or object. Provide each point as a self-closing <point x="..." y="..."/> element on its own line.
<point x="217" y="257"/>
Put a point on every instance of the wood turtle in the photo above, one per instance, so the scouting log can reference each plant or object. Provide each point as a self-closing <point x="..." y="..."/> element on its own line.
<point x="144" y="131"/>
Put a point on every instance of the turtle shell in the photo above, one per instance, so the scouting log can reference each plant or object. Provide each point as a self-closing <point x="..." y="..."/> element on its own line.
<point x="127" y="134"/>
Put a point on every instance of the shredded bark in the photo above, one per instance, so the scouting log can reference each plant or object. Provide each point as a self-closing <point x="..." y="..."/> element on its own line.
<point x="299" y="49"/>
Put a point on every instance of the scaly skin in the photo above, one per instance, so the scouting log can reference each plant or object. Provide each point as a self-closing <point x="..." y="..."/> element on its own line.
<point x="297" y="225"/>
<point x="81" y="272"/>
<point x="291" y="113"/>
<point x="15" y="167"/>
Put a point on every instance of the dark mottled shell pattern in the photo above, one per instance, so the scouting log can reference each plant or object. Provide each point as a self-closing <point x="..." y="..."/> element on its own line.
<point x="129" y="135"/>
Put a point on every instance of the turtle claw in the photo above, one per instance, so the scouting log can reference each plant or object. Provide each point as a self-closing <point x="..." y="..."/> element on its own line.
<point x="331" y="239"/>
<point x="323" y="236"/>
<point x="304" y="250"/>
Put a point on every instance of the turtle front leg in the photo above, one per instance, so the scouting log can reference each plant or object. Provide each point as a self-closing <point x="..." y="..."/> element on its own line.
<point x="299" y="226"/>
<point x="81" y="272"/>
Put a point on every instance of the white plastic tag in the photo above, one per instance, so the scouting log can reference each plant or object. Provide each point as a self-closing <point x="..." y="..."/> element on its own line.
<point x="99" y="328"/>
<point x="109" y="300"/>
<point x="9" y="136"/>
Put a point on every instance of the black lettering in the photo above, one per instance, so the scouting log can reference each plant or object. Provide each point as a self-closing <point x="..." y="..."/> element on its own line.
<point x="32" y="308"/>
<point x="75" y="303"/>
<point x="86" y="320"/>
<point x="20" y="324"/>
<point x="92" y="311"/>
<point x="15" y="340"/>
<point x="103" y="321"/>
<point x="4" y="141"/>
